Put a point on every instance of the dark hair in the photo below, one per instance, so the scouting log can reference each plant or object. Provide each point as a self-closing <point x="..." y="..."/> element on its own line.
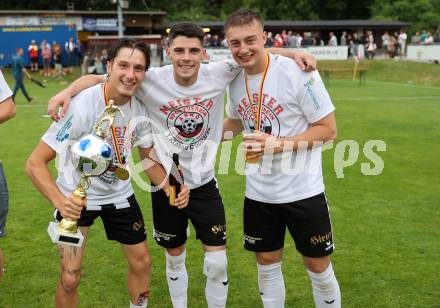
<point x="186" y="29"/>
<point x="242" y="17"/>
<point x="130" y="43"/>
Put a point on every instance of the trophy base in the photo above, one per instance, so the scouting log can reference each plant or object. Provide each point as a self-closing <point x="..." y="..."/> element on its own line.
<point x="63" y="238"/>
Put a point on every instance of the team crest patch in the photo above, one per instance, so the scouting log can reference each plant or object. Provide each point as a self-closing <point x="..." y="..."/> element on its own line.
<point x="189" y="126"/>
<point x="269" y="122"/>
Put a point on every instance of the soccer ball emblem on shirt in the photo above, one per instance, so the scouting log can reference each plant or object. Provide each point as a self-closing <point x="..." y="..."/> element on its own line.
<point x="189" y="125"/>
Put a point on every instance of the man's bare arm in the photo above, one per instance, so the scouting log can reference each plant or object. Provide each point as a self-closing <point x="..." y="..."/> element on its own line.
<point x="231" y="125"/>
<point x="37" y="169"/>
<point x="7" y="110"/>
<point x="306" y="61"/>
<point x="62" y="99"/>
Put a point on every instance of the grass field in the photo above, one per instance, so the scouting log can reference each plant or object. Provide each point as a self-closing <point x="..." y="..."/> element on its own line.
<point x="386" y="227"/>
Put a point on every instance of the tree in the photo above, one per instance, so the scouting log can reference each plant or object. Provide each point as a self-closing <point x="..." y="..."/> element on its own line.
<point x="423" y="14"/>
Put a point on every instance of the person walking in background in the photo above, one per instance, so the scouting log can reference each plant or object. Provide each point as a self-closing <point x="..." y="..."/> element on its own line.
<point x="70" y="48"/>
<point x="56" y="54"/>
<point x="7" y="111"/>
<point x="33" y="55"/>
<point x="18" y="70"/>
<point x="46" y="54"/>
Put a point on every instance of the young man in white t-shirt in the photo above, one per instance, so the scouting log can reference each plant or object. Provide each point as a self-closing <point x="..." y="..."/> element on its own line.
<point x="290" y="111"/>
<point x="185" y="102"/>
<point x="7" y="111"/>
<point x="108" y="196"/>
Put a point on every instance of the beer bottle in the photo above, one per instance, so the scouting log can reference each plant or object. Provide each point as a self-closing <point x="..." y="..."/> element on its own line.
<point x="174" y="184"/>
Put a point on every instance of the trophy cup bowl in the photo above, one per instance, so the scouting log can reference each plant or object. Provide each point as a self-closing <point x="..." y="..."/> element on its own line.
<point x="91" y="156"/>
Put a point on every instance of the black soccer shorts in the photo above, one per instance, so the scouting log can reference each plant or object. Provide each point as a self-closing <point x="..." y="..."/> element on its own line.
<point x="205" y="210"/>
<point x="124" y="225"/>
<point x="308" y="221"/>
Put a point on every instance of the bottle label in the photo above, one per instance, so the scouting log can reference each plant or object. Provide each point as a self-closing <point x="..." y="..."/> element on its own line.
<point x="172" y="194"/>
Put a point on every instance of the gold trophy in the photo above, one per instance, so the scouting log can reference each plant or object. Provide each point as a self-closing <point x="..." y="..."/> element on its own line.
<point x="92" y="156"/>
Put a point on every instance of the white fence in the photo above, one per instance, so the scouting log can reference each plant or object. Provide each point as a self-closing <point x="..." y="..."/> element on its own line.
<point x="423" y="53"/>
<point x="320" y="52"/>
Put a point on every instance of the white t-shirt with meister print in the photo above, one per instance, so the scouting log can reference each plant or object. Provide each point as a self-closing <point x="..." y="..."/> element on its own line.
<point x="188" y="119"/>
<point x="291" y="101"/>
<point x="81" y="117"/>
<point x="5" y="91"/>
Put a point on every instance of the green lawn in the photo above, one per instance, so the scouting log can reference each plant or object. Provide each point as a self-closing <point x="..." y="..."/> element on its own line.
<point x="386" y="227"/>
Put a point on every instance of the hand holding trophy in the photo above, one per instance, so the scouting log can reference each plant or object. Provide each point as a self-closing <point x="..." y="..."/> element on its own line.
<point x="92" y="156"/>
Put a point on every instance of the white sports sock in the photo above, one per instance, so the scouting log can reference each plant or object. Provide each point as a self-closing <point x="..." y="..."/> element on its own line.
<point x="215" y="269"/>
<point x="326" y="293"/>
<point x="137" y="306"/>
<point x="177" y="279"/>
<point x="271" y="284"/>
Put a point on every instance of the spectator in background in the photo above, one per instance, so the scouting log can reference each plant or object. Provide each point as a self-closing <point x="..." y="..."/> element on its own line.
<point x="392" y="47"/>
<point x="371" y="49"/>
<point x="70" y="49"/>
<point x="46" y="54"/>
<point x="423" y="37"/>
<point x="284" y="37"/>
<point x="344" y="38"/>
<point x="292" y="41"/>
<point x="402" y="43"/>
<point x="215" y="41"/>
<point x="299" y="40"/>
<point x="102" y="63"/>
<point x="351" y="48"/>
<point x="437" y="37"/>
<point x="7" y="111"/>
<point x="385" y="41"/>
<point x="207" y="40"/>
<point x="415" y="39"/>
<point x="278" y="41"/>
<point x="90" y="63"/>
<point x="18" y="70"/>
<point x="33" y="55"/>
<point x="269" y="41"/>
<point x="316" y="39"/>
<point x="306" y="41"/>
<point x="80" y="52"/>
<point x="333" y="41"/>
<point x="224" y="43"/>
<point x="429" y="40"/>
<point x="56" y="55"/>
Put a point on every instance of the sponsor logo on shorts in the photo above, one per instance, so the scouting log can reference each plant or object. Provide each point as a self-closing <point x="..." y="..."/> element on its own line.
<point x="321" y="238"/>
<point x="138" y="225"/>
<point x="251" y="240"/>
<point x="159" y="236"/>
<point x="218" y="228"/>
